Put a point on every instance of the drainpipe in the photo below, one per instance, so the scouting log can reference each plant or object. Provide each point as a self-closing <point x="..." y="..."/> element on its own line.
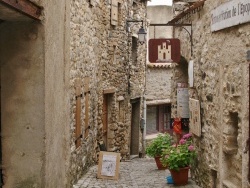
<point x="144" y="124"/>
<point x="248" y="144"/>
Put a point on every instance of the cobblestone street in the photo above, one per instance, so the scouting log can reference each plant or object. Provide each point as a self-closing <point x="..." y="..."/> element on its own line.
<point x="137" y="173"/>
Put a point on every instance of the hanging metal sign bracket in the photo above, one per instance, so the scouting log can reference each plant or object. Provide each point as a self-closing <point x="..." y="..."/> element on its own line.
<point x="182" y="26"/>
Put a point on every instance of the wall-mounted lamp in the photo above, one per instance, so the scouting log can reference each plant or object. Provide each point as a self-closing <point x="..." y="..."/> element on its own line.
<point x="141" y="33"/>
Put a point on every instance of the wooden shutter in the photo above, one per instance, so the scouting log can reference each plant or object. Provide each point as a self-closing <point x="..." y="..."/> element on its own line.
<point x="105" y="120"/>
<point x="86" y="92"/>
<point x="78" y="134"/>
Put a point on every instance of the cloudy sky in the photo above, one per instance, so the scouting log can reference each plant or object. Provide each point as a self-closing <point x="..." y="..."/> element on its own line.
<point x="160" y="2"/>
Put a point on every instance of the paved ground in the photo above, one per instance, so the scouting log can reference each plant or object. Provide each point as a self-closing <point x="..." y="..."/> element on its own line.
<point x="137" y="173"/>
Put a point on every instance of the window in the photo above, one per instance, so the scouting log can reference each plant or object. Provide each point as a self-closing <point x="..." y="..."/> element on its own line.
<point x="158" y="118"/>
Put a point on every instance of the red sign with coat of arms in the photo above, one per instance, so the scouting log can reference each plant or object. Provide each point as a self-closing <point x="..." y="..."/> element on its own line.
<point x="164" y="50"/>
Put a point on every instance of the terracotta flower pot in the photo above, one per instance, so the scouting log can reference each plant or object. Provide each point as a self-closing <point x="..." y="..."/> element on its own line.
<point x="180" y="177"/>
<point x="159" y="164"/>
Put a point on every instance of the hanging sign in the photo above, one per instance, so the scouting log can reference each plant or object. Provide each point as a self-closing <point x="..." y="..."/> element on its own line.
<point x="194" y="121"/>
<point x="191" y="73"/>
<point x="182" y="100"/>
<point x="229" y="14"/>
<point x="164" y="50"/>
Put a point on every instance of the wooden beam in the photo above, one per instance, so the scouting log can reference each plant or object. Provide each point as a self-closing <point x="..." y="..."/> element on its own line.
<point x="191" y="9"/>
<point x="25" y="7"/>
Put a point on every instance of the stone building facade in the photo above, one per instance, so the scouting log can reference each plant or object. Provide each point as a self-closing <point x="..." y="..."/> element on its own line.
<point x="158" y="75"/>
<point x="70" y="80"/>
<point x="221" y="84"/>
<point x="113" y="62"/>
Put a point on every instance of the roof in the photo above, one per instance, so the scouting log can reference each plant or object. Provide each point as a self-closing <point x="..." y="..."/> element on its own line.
<point x="193" y="8"/>
<point x="161" y="65"/>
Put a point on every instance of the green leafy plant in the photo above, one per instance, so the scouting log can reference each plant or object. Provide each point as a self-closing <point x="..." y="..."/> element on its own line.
<point x="181" y="155"/>
<point x="157" y="145"/>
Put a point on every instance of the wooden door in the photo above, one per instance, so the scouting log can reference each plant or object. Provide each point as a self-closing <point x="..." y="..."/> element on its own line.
<point x="249" y="125"/>
<point x="1" y="171"/>
<point x="105" y="119"/>
<point x="135" y="128"/>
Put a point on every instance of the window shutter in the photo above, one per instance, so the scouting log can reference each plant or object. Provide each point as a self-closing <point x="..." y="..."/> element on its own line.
<point x="78" y="132"/>
<point x="86" y="92"/>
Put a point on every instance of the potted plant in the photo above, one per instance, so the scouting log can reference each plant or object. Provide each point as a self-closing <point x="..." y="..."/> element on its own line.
<point x="156" y="147"/>
<point x="179" y="158"/>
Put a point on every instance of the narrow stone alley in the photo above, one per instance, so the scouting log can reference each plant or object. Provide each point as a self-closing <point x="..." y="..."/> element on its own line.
<point x="136" y="173"/>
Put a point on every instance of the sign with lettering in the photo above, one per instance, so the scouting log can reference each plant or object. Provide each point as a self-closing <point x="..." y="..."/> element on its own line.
<point x="164" y="50"/>
<point x="195" y="120"/>
<point x="182" y="100"/>
<point x="109" y="165"/>
<point x="232" y="13"/>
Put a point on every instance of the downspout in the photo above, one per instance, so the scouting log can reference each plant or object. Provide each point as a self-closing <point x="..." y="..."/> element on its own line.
<point x="144" y="124"/>
<point x="247" y="142"/>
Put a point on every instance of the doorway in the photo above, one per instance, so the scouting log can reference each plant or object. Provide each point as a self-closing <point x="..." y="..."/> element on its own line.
<point x="135" y="127"/>
<point x="107" y="104"/>
<point x="1" y="169"/>
<point x="22" y="102"/>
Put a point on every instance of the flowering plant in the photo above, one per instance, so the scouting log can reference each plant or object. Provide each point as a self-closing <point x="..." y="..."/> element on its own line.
<point x="179" y="155"/>
<point x="157" y="145"/>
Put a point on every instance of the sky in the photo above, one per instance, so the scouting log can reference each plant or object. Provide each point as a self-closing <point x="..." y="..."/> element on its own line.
<point x="160" y="2"/>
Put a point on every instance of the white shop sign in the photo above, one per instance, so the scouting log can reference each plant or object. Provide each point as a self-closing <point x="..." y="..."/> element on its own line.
<point x="182" y="100"/>
<point x="232" y="13"/>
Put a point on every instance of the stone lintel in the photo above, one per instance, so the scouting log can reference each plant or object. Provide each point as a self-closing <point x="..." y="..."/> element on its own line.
<point x="158" y="102"/>
<point x="109" y="90"/>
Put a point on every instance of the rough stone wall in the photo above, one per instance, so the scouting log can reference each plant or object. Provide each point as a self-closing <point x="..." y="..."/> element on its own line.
<point x="220" y="83"/>
<point x="22" y="104"/>
<point x="158" y="83"/>
<point x="180" y="75"/>
<point x="75" y="41"/>
<point x="103" y="53"/>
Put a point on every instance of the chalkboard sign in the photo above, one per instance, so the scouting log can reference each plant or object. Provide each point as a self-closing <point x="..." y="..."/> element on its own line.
<point x="109" y="165"/>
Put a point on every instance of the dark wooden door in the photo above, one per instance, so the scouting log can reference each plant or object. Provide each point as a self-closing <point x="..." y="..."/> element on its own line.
<point x="105" y="119"/>
<point x="135" y="128"/>
<point x="248" y="126"/>
<point x="1" y="171"/>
